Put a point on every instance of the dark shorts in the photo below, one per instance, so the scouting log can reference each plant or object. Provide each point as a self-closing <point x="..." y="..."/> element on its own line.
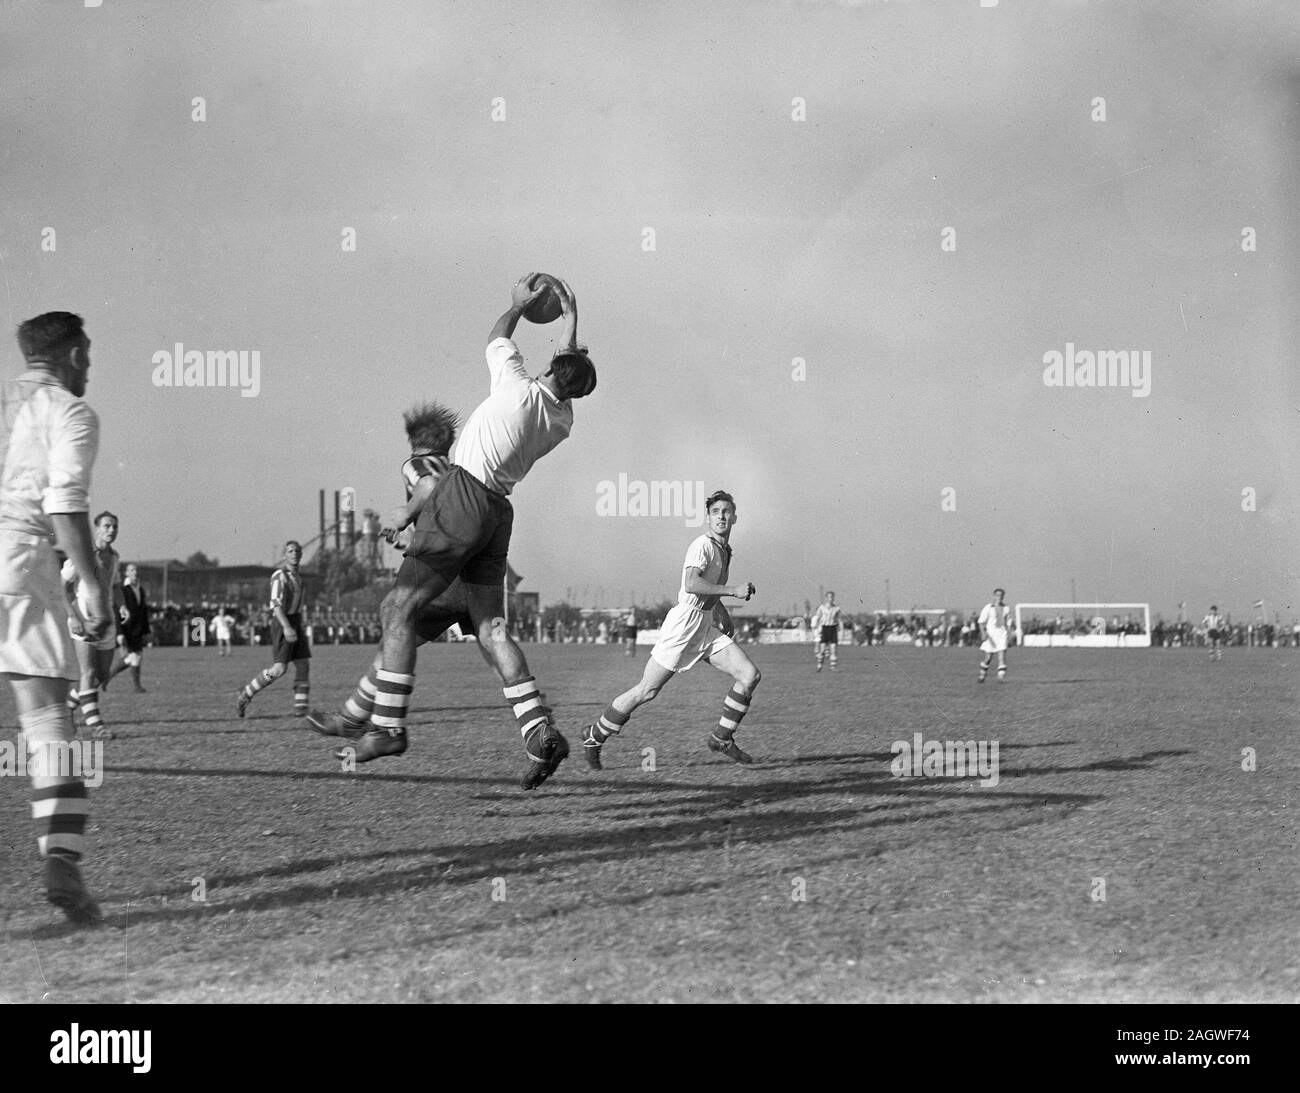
<point x="134" y="643"/>
<point x="285" y="651"/>
<point x="830" y="635"/>
<point x="436" y="618"/>
<point x="629" y="633"/>
<point x="462" y="531"/>
<point x="1215" y="635"/>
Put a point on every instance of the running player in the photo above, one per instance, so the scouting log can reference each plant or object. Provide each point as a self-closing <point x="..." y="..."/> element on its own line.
<point x="826" y="622"/>
<point x="994" y="624"/>
<point x="48" y="440"/>
<point x="1213" y="624"/>
<point x="464" y="528"/>
<point x="288" y="635"/>
<point x="697" y="628"/>
<point x="94" y="658"/>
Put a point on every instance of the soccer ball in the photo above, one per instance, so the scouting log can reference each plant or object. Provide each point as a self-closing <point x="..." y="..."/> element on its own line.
<point x="546" y="308"/>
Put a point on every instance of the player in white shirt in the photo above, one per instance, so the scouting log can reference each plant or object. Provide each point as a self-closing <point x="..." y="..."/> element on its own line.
<point x="464" y="529"/>
<point x="48" y="440"/>
<point x="995" y="628"/>
<point x="826" y="625"/>
<point x="697" y="628"/>
<point x="223" y="628"/>
<point x="1213" y="625"/>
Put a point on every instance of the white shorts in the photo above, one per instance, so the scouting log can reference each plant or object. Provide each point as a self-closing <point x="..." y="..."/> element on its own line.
<point x="33" y="611"/>
<point x="687" y="635"/>
<point x="996" y="642"/>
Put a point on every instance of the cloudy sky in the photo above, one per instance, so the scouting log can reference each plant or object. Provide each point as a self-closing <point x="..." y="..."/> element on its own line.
<point x="800" y="165"/>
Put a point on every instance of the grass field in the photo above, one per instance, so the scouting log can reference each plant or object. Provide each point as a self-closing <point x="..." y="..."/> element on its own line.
<point x="678" y="883"/>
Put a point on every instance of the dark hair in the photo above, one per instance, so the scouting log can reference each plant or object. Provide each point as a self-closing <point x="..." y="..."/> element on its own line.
<point x="292" y="542"/>
<point x="431" y="427"/>
<point x="110" y="515"/>
<point x="997" y="590"/>
<point x="575" y="375"/>
<point x="719" y="495"/>
<point x="48" y="335"/>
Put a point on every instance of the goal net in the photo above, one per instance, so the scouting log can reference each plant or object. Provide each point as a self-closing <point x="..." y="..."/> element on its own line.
<point x="1084" y="625"/>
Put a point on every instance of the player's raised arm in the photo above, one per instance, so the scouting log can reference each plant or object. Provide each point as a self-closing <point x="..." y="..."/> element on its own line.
<point x="521" y="296"/>
<point x="569" y="309"/>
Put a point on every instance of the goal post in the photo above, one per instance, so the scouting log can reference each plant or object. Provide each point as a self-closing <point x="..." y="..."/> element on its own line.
<point x="1084" y="625"/>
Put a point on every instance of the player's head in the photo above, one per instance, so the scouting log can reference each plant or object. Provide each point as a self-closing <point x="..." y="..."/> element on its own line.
<point x="999" y="593"/>
<point x="132" y="572"/>
<point x="57" y="341"/>
<point x="431" y="428"/>
<point x="105" y="528"/>
<point x="573" y="373"/>
<point x="830" y="598"/>
<point x="720" y="507"/>
<point x="1214" y="607"/>
<point x="293" y="551"/>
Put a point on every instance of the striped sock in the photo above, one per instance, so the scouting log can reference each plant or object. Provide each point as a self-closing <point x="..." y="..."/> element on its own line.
<point x="59" y="803"/>
<point x="301" y="692"/>
<point x="89" y="701"/>
<point x="734" y="707"/>
<point x="392" y="697"/>
<point x="361" y="703"/>
<point x="611" y="723"/>
<point x="262" y="679"/>
<point x="526" y="703"/>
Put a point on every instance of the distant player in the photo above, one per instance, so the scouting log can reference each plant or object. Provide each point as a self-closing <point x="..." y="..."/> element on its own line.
<point x="223" y="630"/>
<point x="464" y="530"/>
<point x="288" y="635"/>
<point x="134" y="629"/>
<point x="826" y="624"/>
<point x="1213" y="624"/>
<point x="94" y="657"/>
<point x="995" y="628"/>
<point x="48" y="440"/>
<point x="629" y="633"/>
<point x="697" y="628"/>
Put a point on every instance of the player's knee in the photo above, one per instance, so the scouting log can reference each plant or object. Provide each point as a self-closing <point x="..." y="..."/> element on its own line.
<point x="275" y="671"/>
<point x="750" y="677"/>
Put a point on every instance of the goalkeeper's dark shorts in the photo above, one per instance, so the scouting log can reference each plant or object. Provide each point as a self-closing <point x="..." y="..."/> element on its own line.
<point x="462" y="531"/>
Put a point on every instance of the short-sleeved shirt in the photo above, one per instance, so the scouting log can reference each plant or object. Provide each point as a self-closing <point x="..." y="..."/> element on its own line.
<point x="286" y="590"/>
<point x="518" y="423"/>
<point x="713" y="560"/>
<point x="48" y="443"/>
<point x="1212" y="622"/>
<point x="994" y="617"/>
<point x="826" y="615"/>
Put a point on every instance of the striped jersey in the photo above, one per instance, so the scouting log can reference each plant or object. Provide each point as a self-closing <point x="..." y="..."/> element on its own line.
<point x="1212" y="621"/>
<point x="826" y="615"/>
<point x="713" y="559"/>
<point x="286" y="590"/>
<point x="421" y="466"/>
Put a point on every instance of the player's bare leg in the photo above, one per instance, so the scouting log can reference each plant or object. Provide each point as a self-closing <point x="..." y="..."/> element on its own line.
<point x="544" y="746"/>
<point x="417" y="586"/>
<point x="733" y="660"/>
<point x="92" y="664"/>
<point x="59" y="805"/>
<point x="616" y="715"/>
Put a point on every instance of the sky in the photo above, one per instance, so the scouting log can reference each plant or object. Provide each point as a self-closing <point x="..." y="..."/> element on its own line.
<point x="870" y="223"/>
